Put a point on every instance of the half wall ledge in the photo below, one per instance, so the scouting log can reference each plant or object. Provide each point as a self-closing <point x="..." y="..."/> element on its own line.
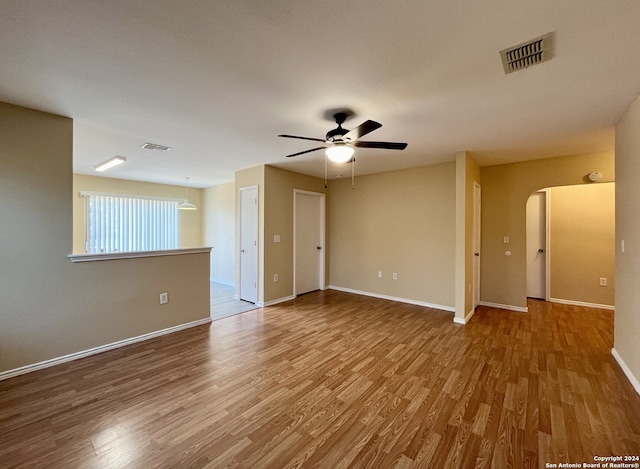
<point x="109" y="256"/>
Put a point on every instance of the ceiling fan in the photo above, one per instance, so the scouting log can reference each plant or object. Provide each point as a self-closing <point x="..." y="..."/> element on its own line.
<point x="339" y="142"/>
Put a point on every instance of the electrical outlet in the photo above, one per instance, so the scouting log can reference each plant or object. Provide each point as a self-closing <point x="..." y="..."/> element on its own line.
<point x="275" y="277"/>
<point x="395" y="276"/>
<point x="603" y="281"/>
<point x="164" y="298"/>
<point x="276" y="238"/>
<point x="379" y="273"/>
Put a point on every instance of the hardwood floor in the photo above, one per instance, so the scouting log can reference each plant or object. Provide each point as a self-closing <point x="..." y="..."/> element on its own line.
<point x="334" y="380"/>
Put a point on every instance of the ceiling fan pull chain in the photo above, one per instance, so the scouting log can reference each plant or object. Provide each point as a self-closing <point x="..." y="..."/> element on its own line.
<point x="325" y="172"/>
<point x="353" y="173"/>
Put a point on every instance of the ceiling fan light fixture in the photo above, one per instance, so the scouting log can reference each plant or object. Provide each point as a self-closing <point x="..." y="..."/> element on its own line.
<point x="339" y="152"/>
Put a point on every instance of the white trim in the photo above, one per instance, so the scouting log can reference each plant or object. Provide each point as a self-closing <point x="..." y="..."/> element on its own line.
<point x="109" y="256"/>
<point x="323" y="209"/>
<point x="276" y="301"/>
<point x="581" y="303"/>
<point x="547" y="242"/>
<point x="450" y="309"/>
<point x="102" y="348"/>
<point x="466" y="319"/>
<point x="221" y="282"/>
<point x="632" y="379"/>
<point x="128" y="196"/>
<point x="519" y="309"/>
<point x="259" y="287"/>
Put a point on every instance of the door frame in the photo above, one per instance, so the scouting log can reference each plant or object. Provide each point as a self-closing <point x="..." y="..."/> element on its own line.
<point x="545" y="217"/>
<point x="322" y="284"/>
<point x="476" y="244"/>
<point x="257" y="221"/>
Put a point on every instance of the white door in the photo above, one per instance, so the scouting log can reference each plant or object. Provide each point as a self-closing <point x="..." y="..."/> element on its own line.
<point x="476" y="244"/>
<point x="249" y="244"/>
<point x="536" y="245"/>
<point x="308" y="241"/>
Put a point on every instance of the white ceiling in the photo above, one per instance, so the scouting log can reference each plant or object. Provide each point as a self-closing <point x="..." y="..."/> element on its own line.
<point x="218" y="80"/>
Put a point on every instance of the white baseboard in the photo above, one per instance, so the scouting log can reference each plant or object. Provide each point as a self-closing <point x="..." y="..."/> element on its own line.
<point x="632" y="379"/>
<point x="581" y="303"/>
<point x="394" y="298"/>
<point x="221" y="282"/>
<point x="466" y="318"/>
<point x="103" y="348"/>
<point x="519" y="309"/>
<point x="276" y="301"/>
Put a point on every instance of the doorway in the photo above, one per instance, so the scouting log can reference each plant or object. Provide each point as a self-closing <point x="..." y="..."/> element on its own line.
<point x="249" y="243"/>
<point x="536" y="245"/>
<point x="308" y="226"/>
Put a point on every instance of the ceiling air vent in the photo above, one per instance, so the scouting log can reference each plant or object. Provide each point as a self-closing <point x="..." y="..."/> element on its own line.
<point x="155" y="147"/>
<point x="528" y="53"/>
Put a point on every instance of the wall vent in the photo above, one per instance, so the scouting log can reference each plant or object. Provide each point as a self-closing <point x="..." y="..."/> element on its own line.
<point x="155" y="147"/>
<point x="528" y="53"/>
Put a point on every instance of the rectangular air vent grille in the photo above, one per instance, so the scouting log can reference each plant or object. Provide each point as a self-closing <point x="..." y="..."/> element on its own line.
<point x="528" y="53"/>
<point x="155" y="147"/>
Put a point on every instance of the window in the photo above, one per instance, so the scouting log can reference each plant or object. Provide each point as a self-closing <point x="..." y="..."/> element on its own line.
<point x="128" y="223"/>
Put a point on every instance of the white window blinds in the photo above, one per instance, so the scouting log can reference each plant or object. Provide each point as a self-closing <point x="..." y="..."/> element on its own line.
<point x="129" y="223"/>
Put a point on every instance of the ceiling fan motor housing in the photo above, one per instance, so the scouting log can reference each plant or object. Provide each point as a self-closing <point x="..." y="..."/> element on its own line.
<point x="339" y="117"/>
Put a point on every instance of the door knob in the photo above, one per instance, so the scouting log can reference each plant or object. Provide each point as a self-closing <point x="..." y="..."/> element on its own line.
<point x="540" y="251"/>
<point x="319" y="248"/>
<point x="241" y="250"/>
<point x="477" y="254"/>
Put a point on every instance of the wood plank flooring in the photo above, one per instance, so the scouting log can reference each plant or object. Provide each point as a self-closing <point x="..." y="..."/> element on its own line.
<point x="334" y="380"/>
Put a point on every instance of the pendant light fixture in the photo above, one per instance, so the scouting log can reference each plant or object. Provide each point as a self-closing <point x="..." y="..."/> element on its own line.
<point x="186" y="205"/>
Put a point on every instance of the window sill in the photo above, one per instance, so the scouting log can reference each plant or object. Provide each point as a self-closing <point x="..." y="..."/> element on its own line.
<point x="109" y="256"/>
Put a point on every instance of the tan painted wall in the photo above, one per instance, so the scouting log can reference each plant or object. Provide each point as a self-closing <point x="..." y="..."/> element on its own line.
<point x="279" y="187"/>
<point x="251" y="177"/>
<point x="219" y="228"/>
<point x="51" y="307"/>
<point x="190" y="234"/>
<point x="582" y="233"/>
<point x="627" y="318"/>
<point x="400" y="221"/>
<point x="505" y="190"/>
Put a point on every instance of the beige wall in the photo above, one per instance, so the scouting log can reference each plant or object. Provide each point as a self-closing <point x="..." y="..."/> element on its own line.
<point x="190" y="234"/>
<point x="219" y="228"/>
<point x="51" y="307"/>
<point x="400" y="221"/>
<point x="627" y="318"/>
<point x="279" y="187"/>
<point x="505" y="190"/>
<point x="582" y="240"/>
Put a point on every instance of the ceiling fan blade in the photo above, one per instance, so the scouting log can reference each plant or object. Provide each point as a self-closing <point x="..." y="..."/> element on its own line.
<point x="362" y="129"/>
<point x="303" y="138"/>
<point x="306" y="151"/>
<point x="385" y="145"/>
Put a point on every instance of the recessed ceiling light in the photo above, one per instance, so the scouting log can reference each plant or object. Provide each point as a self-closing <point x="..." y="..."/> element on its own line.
<point x="155" y="147"/>
<point x="110" y="163"/>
